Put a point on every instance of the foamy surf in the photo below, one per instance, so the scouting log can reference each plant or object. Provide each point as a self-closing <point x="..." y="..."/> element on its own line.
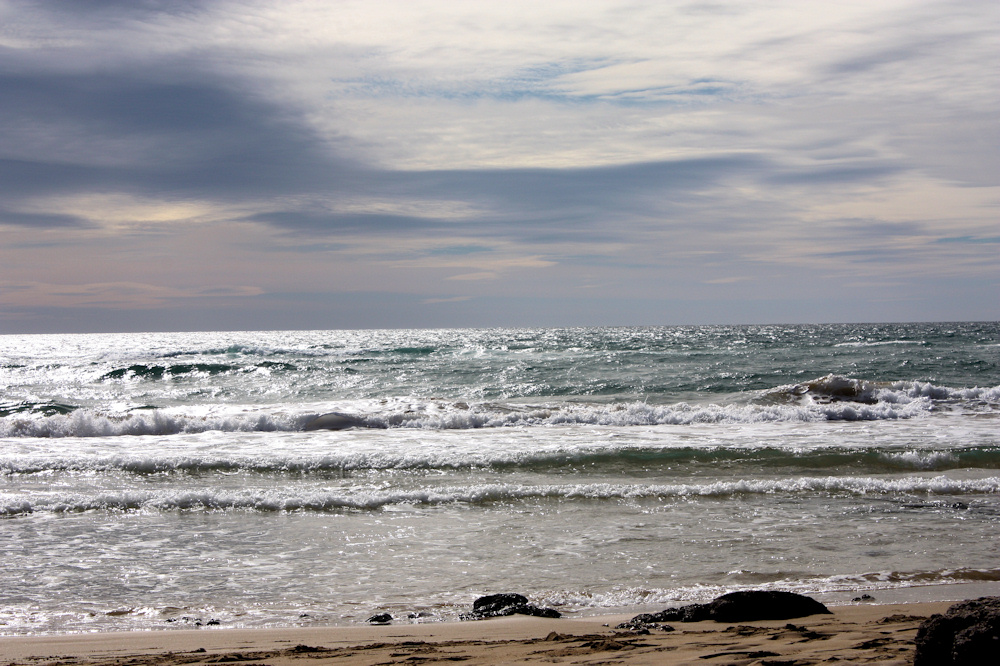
<point x="281" y="501"/>
<point x="827" y="399"/>
<point x="149" y="478"/>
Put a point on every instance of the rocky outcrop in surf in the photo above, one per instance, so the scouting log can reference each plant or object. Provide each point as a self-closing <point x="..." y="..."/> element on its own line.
<point x="501" y="605"/>
<point x="745" y="606"/>
<point x="334" y="421"/>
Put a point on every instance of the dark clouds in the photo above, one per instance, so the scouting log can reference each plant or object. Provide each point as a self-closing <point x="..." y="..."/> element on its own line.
<point x="320" y="224"/>
<point x="204" y="137"/>
<point x="537" y="205"/>
<point x="41" y="220"/>
<point x="200" y="137"/>
<point x="616" y="186"/>
<point x="102" y="11"/>
<point x="422" y="164"/>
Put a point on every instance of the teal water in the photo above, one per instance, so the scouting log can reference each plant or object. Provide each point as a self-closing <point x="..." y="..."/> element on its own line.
<point x="158" y="480"/>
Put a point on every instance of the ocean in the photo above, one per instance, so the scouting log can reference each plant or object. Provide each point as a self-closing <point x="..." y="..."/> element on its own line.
<point x="171" y="480"/>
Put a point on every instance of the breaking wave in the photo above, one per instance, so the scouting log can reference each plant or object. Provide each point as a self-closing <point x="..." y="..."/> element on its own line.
<point x="871" y="460"/>
<point x="633" y="597"/>
<point x="277" y="501"/>
<point x="88" y="423"/>
<point x="829" y="398"/>
<point x="833" y="389"/>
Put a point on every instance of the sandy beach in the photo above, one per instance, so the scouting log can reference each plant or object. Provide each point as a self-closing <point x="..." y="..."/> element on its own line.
<point x="852" y="634"/>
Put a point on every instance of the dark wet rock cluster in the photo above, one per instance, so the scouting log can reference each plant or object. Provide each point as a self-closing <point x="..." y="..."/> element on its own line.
<point x="334" y="421"/>
<point x="968" y="634"/>
<point x="746" y="606"/>
<point x="387" y="618"/>
<point x="196" y="621"/>
<point x="493" y="605"/>
<point x="500" y="605"/>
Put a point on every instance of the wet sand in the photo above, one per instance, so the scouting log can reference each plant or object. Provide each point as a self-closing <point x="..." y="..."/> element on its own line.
<point x="854" y="634"/>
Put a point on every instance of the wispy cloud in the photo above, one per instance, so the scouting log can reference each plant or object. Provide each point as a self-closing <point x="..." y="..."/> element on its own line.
<point x="156" y="153"/>
<point x="111" y="294"/>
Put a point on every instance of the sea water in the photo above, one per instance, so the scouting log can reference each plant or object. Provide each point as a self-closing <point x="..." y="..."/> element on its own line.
<point x="166" y="480"/>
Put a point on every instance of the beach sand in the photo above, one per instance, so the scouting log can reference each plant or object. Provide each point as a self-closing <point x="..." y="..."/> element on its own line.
<point x="853" y="634"/>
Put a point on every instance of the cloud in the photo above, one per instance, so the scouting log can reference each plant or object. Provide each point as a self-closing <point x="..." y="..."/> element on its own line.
<point x="110" y="294"/>
<point x="157" y="130"/>
<point x="727" y="280"/>
<point x="423" y="149"/>
<point x="41" y="220"/>
<point x="453" y="299"/>
<point x="98" y="12"/>
<point x="969" y="239"/>
<point x="315" y="223"/>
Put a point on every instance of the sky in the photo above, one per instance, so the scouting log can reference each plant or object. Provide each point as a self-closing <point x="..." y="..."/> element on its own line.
<point x="213" y="165"/>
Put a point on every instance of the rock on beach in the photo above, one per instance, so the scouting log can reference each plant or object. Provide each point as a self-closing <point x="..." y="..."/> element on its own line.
<point x="967" y="634"/>
<point x="500" y="605"/>
<point x="745" y="606"/>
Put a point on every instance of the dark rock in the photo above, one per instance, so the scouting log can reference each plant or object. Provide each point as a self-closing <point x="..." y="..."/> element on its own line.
<point x="501" y="605"/>
<point x="493" y="603"/>
<point x="380" y="618"/>
<point x="740" y="607"/>
<point x="763" y="605"/>
<point x="536" y="611"/>
<point x="968" y="634"/>
<point x="636" y="624"/>
<point x="334" y="421"/>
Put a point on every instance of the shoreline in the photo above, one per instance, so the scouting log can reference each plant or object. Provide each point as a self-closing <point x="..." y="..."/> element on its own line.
<point x="867" y="594"/>
<point x="869" y="632"/>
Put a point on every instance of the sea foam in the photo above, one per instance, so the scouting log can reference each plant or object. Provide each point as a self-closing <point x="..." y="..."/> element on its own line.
<point x="278" y="501"/>
<point x="85" y="422"/>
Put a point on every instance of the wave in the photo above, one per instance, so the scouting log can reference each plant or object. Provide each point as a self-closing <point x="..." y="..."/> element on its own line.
<point x="44" y="408"/>
<point x="153" y="372"/>
<point x="829" y="398"/>
<point x="276" y="501"/>
<point x="880" y="343"/>
<point x="90" y="423"/>
<point x="831" y="389"/>
<point x="231" y="350"/>
<point x="600" y="459"/>
<point x="632" y="597"/>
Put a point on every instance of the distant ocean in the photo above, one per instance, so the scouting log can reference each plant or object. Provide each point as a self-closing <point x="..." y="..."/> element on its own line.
<point x="165" y="480"/>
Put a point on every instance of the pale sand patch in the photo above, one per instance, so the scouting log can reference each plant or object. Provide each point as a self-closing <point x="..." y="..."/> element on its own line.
<point x="853" y="634"/>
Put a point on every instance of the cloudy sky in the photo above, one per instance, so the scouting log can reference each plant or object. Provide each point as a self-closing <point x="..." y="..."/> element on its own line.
<point x="169" y="165"/>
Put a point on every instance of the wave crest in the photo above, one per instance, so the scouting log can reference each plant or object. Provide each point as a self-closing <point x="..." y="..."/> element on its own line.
<point x="866" y="459"/>
<point x="831" y="389"/>
<point x="276" y="501"/>
<point x="828" y="398"/>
